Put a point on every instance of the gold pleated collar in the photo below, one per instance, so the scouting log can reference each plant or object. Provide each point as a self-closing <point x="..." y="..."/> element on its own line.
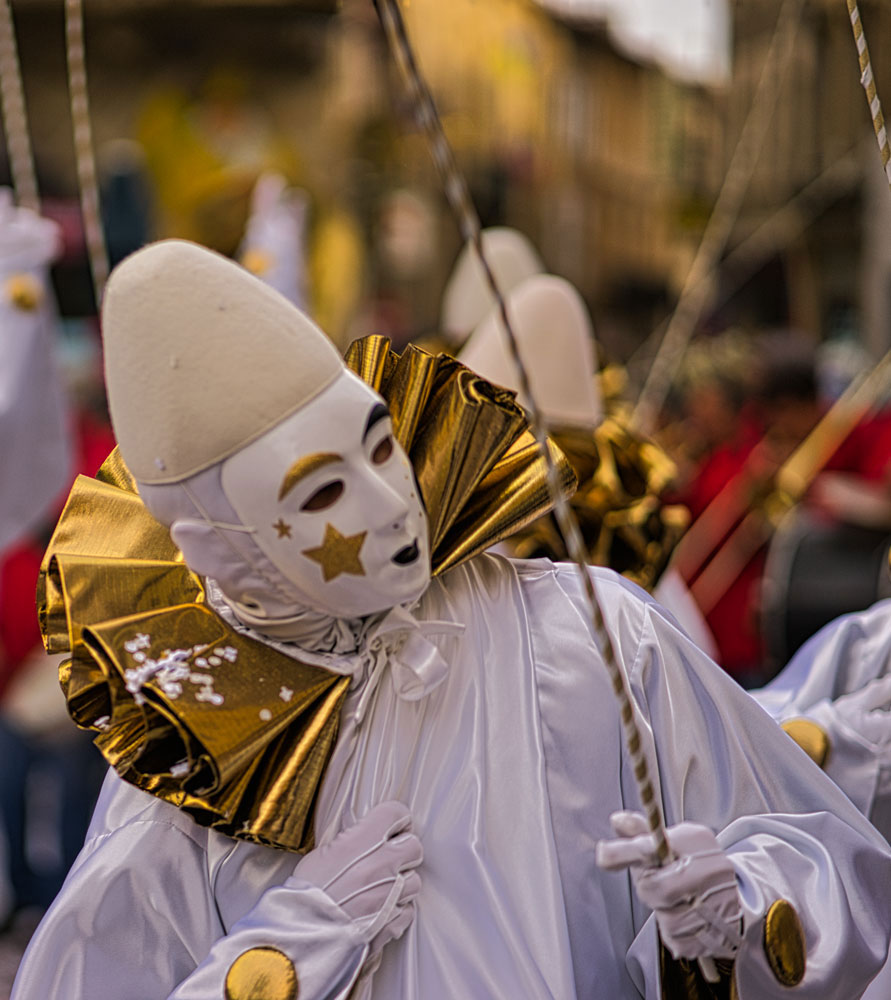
<point x="234" y="732"/>
<point x="618" y="504"/>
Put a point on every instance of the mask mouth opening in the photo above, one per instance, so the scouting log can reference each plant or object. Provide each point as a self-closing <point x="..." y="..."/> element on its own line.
<point x="407" y="555"/>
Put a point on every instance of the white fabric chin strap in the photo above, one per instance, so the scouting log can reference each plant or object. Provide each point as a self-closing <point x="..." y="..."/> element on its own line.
<point x="223" y="525"/>
<point x="399" y="641"/>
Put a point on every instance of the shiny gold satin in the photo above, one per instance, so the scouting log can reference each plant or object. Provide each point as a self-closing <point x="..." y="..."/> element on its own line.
<point x="479" y="471"/>
<point x="232" y="731"/>
<point x="112" y="574"/>
<point x="624" y="523"/>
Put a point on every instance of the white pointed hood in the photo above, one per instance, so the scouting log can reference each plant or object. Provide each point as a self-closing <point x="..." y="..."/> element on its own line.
<point x="202" y="358"/>
<point x="556" y="342"/>
<point x="467" y="298"/>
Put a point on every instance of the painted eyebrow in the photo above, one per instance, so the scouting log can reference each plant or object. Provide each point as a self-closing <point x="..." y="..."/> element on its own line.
<point x="304" y="467"/>
<point x="378" y="412"/>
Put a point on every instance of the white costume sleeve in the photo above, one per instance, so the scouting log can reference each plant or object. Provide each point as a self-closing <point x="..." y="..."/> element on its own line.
<point x="841" y="659"/>
<point x="787" y="830"/>
<point x="35" y="437"/>
<point x="137" y="918"/>
<point x="720" y="761"/>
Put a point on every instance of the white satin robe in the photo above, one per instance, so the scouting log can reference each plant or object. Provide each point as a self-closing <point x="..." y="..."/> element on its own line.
<point x="841" y="658"/>
<point x="511" y="766"/>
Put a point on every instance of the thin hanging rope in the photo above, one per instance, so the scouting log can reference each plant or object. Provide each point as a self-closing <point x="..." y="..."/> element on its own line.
<point x="15" y="119"/>
<point x="869" y="85"/>
<point x="787" y="222"/>
<point x="696" y="289"/>
<point x="427" y="118"/>
<point x="83" y="146"/>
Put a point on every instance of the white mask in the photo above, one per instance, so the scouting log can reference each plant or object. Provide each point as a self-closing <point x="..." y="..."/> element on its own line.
<point x="330" y="498"/>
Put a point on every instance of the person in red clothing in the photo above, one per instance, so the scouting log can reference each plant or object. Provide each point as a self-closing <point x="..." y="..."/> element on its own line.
<point x="854" y="487"/>
<point x="856" y="484"/>
<point x="740" y="465"/>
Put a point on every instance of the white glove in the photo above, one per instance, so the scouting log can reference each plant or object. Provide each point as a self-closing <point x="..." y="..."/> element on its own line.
<point x="367" y="871"/>
<point x="695" y="896"/>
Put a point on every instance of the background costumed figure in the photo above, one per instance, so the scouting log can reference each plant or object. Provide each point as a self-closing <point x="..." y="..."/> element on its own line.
<point x="622" y="475"/>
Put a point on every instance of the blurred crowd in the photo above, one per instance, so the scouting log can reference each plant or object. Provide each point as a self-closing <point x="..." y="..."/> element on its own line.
<point x="744" y="406"/>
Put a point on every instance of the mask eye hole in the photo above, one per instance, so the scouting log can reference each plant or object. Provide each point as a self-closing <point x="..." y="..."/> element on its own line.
<point x="324" y="497"/>
<point x="382" y="451"/>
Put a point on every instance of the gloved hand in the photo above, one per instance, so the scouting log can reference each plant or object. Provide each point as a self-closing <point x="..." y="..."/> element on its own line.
<point x="368" y="871"/>
<point x="695" y="896"/>
<point x="868" y="711"/>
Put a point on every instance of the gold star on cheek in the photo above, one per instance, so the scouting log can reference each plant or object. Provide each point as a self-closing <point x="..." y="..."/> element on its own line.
<point x="283" y="528"/>
<point x="338" y="553"/>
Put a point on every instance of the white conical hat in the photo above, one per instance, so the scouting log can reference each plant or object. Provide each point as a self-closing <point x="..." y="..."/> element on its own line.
<point x="556" y="342"/>
<point x="201" y="358"/>
<point x="467" y="298"/>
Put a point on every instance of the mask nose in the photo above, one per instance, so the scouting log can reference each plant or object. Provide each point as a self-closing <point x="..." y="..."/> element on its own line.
<point x="388" y="509"/>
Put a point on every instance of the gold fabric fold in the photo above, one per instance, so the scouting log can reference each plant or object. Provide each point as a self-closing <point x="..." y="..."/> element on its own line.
<point x="224" y="727"/>
<point x="477" y="465"/>
<point x="624" y="523"/>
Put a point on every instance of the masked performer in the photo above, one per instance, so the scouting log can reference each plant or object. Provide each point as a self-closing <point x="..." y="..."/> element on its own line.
<point x="308" y="672"/>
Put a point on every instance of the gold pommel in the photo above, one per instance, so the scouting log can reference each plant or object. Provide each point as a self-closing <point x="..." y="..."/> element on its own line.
<point x="784" y="943"/>
<point x="262" y="974"/>
<point x="257" y="262"/>
<point x="810" y="737"/>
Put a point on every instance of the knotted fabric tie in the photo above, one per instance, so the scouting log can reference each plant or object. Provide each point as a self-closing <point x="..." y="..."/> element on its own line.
<point x="401" y="642"/>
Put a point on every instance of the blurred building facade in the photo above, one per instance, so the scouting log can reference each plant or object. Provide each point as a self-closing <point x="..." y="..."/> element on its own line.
<point x="817" y="196"/>
<point x="611" y="165"/>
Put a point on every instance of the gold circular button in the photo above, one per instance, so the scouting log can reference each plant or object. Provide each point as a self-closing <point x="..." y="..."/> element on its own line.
<point x="257" y="262"/>
<point x="784" y="943"/>
<point x="262" y="974"/>
<point x="810" y="737"/>
<point x="23" y="291"/>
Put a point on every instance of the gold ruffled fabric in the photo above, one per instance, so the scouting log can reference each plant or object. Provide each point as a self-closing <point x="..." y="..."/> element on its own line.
<point x="230" y="730"/>
<point x="624" y="523"/>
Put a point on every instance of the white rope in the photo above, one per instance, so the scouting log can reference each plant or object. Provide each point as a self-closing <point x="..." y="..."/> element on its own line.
<point x="869" y="85"/>
<point x="83" y="146"/>
<point x="695" y="292"/>
<point x="15" y="120"/>
<point x="787" y="222"/>
<point x="427" y="118"/>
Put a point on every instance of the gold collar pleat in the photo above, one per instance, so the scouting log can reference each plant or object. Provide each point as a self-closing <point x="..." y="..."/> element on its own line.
<point x="624" y="522"/>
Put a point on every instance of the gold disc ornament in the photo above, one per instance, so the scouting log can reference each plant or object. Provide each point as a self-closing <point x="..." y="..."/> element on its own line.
<point x="262" y="974"/>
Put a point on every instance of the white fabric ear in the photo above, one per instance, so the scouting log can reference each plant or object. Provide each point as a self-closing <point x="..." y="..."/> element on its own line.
<point x="210" y="553"/>
<point x="467" y="297"/>
<point x="197" y="512"/>
<point x="556" y="343"/>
